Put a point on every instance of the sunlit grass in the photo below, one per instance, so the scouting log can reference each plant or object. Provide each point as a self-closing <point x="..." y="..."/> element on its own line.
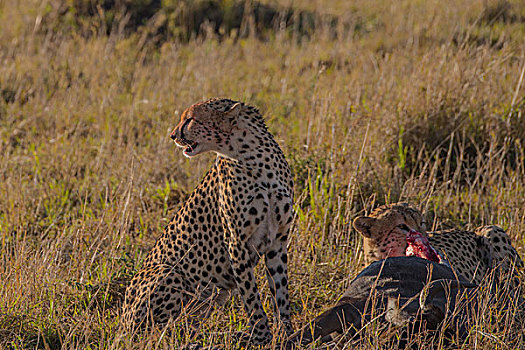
<point x="419" y="101"/>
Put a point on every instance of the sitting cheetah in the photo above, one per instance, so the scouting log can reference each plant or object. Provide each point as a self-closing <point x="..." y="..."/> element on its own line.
<point x="241" y="211"/>
<point x="471" y="254"/>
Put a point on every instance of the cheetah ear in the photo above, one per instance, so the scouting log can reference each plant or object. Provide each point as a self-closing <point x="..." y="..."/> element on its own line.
<point x="363" y="224"/>
<point x="232" y="115"/>
<point x="234" y="111"/>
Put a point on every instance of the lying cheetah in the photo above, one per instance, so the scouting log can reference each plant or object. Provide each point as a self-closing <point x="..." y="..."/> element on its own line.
<point x="241" y="211"/>
<point x="471" y="254"/>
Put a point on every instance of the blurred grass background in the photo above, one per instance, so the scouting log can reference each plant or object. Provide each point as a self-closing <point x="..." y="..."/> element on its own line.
<point x="373" y="102"/>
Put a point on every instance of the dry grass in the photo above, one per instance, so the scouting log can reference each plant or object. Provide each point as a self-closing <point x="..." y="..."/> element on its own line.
<point x="403" y="100"/>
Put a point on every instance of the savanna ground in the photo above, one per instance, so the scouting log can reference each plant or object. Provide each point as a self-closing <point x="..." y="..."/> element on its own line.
<point x="373" y="102"/>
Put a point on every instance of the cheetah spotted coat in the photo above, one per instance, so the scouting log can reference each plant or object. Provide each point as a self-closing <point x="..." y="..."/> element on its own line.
<point x="241" y="211"/>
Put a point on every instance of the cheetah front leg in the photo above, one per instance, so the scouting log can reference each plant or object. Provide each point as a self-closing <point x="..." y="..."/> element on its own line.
<point x="276" y="258"/>
<point x="245" y="278"/>
<point x="277" y="273"/>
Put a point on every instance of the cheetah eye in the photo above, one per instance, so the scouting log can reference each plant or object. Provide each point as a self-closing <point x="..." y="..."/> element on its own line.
<point x="403" y="227"/>
<point x="186" y="123"/>
<point x="184" y="126"/>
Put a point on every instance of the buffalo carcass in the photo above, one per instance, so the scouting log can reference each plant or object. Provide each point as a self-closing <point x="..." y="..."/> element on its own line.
<point x="405" y="293"/>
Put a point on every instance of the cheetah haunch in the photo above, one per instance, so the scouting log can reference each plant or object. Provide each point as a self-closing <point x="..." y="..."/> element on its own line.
<point x="389" y="230"/>
<point x="405" y="294"/>
<point x="241" y="211"/>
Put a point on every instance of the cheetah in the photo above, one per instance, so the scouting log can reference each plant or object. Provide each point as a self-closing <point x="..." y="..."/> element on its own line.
<point x="241" y="210"/>
<point x="388" y="231"/>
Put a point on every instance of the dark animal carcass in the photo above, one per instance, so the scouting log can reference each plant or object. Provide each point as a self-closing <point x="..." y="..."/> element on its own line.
<point x="407" y="293"/>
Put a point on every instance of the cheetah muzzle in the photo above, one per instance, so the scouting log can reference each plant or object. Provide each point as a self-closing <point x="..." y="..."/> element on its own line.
<point x="418" y="245"/>
<point x="190" y="147"/>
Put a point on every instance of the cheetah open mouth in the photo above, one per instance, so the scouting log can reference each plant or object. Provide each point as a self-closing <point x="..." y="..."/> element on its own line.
<point x="190" y="147"/>
<point x="418" y="245"/>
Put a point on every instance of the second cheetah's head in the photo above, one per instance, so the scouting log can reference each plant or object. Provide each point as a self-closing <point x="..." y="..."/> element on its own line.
<point x="387" y="228"/>
<point x="204" y="127"/>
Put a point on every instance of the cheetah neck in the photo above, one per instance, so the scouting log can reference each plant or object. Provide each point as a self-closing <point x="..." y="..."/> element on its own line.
<point x="253" y="155"/>
<point x="252" y="147"/>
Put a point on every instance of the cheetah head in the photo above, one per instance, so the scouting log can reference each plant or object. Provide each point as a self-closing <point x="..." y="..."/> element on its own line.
<point x="390" y="229"/>
<point x="203" y="128"/>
